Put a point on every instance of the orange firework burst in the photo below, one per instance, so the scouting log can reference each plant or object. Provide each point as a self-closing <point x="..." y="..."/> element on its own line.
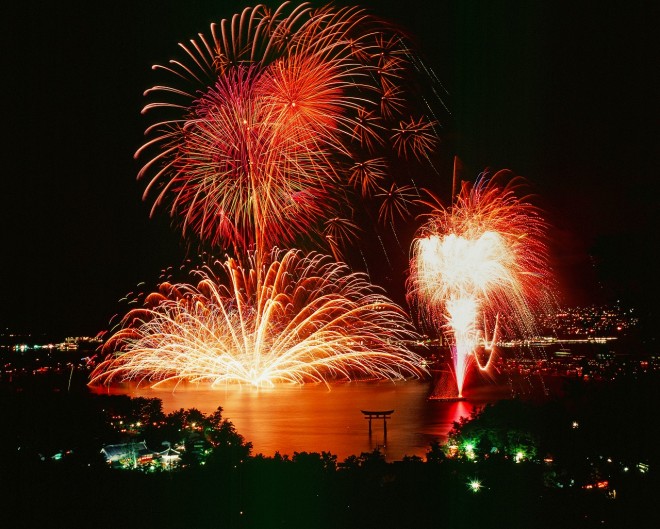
<point x="257" y="142"/>
<point x="482" y="258"/>
<point x="305" y="319"/>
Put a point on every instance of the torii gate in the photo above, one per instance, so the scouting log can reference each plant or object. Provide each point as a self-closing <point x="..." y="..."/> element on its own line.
<point x="378" y="415"/>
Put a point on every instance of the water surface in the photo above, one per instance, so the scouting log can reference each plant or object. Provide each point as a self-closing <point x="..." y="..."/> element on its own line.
<point x="315" y="417"/>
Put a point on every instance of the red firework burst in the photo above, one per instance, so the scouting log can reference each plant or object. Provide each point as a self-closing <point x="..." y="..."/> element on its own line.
<point x="256" y="143"/>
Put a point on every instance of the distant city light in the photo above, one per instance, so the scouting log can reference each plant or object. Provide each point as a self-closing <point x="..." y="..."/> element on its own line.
<point x="474" y="485"/>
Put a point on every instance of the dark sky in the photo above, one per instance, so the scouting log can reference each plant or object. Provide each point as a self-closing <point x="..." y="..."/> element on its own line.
<point x="560" y="92"/>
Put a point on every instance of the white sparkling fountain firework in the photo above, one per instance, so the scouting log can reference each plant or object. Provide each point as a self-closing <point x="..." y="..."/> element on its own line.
<point x="306" y="319"/>
<point x="479" y="269"/>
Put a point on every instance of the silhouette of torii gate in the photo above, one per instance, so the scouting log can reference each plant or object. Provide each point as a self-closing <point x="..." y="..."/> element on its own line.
<point x="378" y="415"/>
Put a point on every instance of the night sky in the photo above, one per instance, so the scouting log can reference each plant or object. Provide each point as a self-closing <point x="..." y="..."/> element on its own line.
<point x="562" y="93"/>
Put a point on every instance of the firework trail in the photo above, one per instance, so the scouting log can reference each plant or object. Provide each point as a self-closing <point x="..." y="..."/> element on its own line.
<point x="479" y="268"/>
<point x="307" y="319"/>
<point x="267" y="123"/>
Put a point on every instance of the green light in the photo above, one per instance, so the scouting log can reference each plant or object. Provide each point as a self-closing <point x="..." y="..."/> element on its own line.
<point x="474" y="485"/>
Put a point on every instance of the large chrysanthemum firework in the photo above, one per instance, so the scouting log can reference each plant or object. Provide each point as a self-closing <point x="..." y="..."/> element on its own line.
<point x="480" y="267"/>
<point x="257" y="139"/>
<point x="305" y="318"/>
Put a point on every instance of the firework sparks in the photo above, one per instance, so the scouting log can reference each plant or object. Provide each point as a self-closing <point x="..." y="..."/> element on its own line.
<point x="273" y="106"/>
<point x="477" y="261"/>
<point x="396" y="202"/>
<point x="306" y="319"/>
<point x="338" y="232"/>
<point x="415" y="137"/>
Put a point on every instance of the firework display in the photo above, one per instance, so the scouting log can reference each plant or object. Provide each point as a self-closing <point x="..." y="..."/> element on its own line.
<point x="303" y="319"/>
<point x="265" y="124"/>
<point x="276" y="120"/>
<point x="264" y="135"/>
<point x="479" y="268"/>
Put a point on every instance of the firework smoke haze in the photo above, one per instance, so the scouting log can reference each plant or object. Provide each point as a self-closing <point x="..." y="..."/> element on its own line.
<point x="273" y="117"/>
<point x="306" y="319"/>
<point x="480" y="267"/>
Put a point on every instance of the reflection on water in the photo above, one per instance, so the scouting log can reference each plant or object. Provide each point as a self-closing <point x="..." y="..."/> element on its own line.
<point x="315" y="418"/>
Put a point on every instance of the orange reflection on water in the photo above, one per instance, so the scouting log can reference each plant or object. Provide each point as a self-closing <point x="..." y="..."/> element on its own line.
<point x="315" y="418"/>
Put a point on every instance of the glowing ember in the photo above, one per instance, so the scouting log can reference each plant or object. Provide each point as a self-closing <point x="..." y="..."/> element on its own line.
<point x="303" y="319"/>
<point x="480" y="265"/>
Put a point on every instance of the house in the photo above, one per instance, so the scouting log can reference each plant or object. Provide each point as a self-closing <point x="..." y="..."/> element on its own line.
<point x="128" y="454"/>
